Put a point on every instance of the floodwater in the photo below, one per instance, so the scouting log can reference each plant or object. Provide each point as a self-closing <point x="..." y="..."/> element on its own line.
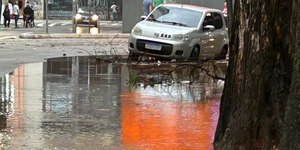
<point x="80" y="104"/>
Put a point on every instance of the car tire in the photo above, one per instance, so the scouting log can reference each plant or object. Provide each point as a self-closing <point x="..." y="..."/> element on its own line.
<point x="223" y="53"/>
<point x="195" y="53"/>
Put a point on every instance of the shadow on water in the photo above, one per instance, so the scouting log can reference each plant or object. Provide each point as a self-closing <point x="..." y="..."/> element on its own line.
<point x="80" y="103"/>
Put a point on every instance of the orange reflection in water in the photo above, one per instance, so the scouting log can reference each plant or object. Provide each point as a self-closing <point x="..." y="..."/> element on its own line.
<point x="151" y="123"/>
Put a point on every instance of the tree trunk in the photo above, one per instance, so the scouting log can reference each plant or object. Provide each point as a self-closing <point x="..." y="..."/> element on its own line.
<point x="291" y="138"/>
<point x="259" y="74"/>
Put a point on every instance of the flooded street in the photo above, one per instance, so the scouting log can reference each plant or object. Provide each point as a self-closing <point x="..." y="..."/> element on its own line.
<point x="80" y="103"/>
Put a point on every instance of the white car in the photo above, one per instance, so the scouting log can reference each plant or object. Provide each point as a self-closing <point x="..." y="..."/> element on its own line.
<point x="180" y="31"/>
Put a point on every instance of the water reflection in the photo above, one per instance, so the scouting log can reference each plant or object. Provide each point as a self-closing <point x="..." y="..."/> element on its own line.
<point x="151" y="123"/>
<point x="186" y="82"/>
<point x="86" y="29"/>
<point x="79" y="103"/>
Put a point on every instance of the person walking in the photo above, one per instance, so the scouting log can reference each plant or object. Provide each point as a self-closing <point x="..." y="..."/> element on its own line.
<point x="225" y="7"/>
<point x="6" y="15"/>
<point x="225" y="13"/>
<point x="16" y="12"/>
<point x="114" y="11"/>
<point x="10" y="7"/>
<point x="148" y="7"/>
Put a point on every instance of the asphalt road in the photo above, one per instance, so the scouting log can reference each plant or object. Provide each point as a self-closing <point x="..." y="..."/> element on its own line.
<point x="58" y="26"/>
<point x="16" y="51"/>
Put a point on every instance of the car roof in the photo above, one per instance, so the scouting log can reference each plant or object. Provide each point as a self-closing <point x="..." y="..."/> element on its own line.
<point x="193" y="7"/>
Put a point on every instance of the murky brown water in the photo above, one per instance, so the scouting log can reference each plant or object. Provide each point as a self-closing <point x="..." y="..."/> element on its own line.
<point x="76" y="103"/>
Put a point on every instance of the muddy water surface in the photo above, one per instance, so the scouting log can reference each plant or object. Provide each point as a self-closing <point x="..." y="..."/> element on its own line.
<point x="78" y="103"/>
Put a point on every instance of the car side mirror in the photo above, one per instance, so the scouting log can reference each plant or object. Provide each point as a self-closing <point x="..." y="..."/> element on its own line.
<point x="209" y="28"/>
<point x="143" y="17"/>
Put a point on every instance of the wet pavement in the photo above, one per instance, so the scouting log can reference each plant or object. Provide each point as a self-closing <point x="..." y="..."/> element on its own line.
<point x="80" y="103"/>
<point x="36" y="50"/>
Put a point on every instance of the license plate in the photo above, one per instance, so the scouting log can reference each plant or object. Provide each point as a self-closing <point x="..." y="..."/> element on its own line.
<point x="153" y="46"/>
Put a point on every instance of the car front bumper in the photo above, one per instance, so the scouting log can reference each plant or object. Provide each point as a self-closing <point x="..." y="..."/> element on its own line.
<point x="164" y="48"/>
<point x="86" y="21"/>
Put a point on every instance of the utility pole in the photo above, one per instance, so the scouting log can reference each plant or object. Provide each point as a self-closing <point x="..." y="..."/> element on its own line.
<point x="90" y="7"/>
<point x="46" y="12"/>
<point x="1" y="18"/>
<point x="74" y="11"/>
<point x="108" y="10"/>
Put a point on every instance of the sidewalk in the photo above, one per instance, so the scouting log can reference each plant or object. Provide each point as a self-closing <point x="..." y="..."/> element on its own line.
<point x="50" y="21"/>
<point x="73" y="35"/>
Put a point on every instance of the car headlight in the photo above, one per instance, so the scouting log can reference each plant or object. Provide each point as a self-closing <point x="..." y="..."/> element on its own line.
<point x="94" y="17"/>
<point x="136" y="31"/>
<point x="77" y="16"/>
<point x="181" y="37"/>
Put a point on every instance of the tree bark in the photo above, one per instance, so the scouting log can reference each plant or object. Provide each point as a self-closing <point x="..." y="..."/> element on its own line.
<point x="291" y="138"/>
<point x="259" y="74"/>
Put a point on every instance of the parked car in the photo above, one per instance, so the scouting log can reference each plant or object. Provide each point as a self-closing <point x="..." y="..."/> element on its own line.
<point x="84" y="16"/>
<point x="179" y="31"/>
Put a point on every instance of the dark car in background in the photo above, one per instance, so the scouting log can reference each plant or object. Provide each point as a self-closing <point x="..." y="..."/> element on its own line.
<point x="85" y="16"/>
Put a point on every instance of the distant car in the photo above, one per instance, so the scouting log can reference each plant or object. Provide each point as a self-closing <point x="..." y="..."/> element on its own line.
<point x="179" y="31"/>
<point x="84" y="16"/>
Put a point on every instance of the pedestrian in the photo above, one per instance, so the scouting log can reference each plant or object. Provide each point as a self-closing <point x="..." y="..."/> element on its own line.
<point x="114" y="9"/>
<point x="32" y="17"/>
<point x="157" y="2"/>
<point x="10" y="7"/>
<point x="6" y="15"/>
<point x="148" y="7"/>
<point x="225" y="7"/>
<point x="27" y="15"/>
<point x="16" y="12"/>
<point x="225" y="13"/>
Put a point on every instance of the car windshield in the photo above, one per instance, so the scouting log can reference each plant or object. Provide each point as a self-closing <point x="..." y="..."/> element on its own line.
<point x="176" y="16"/>
<point x="84" y="10"/>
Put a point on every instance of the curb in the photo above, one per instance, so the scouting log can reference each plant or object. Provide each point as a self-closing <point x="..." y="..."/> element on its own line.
<point x="73" y="35"/>
<point x="8" y="37"/>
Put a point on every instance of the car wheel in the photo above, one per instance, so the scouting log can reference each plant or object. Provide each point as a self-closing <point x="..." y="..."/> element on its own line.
<point x="195" y="53"/>
<point x="223" y="53"/>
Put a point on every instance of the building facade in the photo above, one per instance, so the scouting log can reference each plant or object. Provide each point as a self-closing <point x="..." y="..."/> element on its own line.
<point x="129" y="11"/>
<point x="64" y="8"/>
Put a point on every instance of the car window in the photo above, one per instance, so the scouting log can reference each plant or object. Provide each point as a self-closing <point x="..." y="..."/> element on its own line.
<point x="218" y="22"/>
<point x="80" y="10"/>
<point x="214" y="19"/>
<point x="208" y="20"/>
<point x="85" y="10"/>
<point x="176" y="16"/>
